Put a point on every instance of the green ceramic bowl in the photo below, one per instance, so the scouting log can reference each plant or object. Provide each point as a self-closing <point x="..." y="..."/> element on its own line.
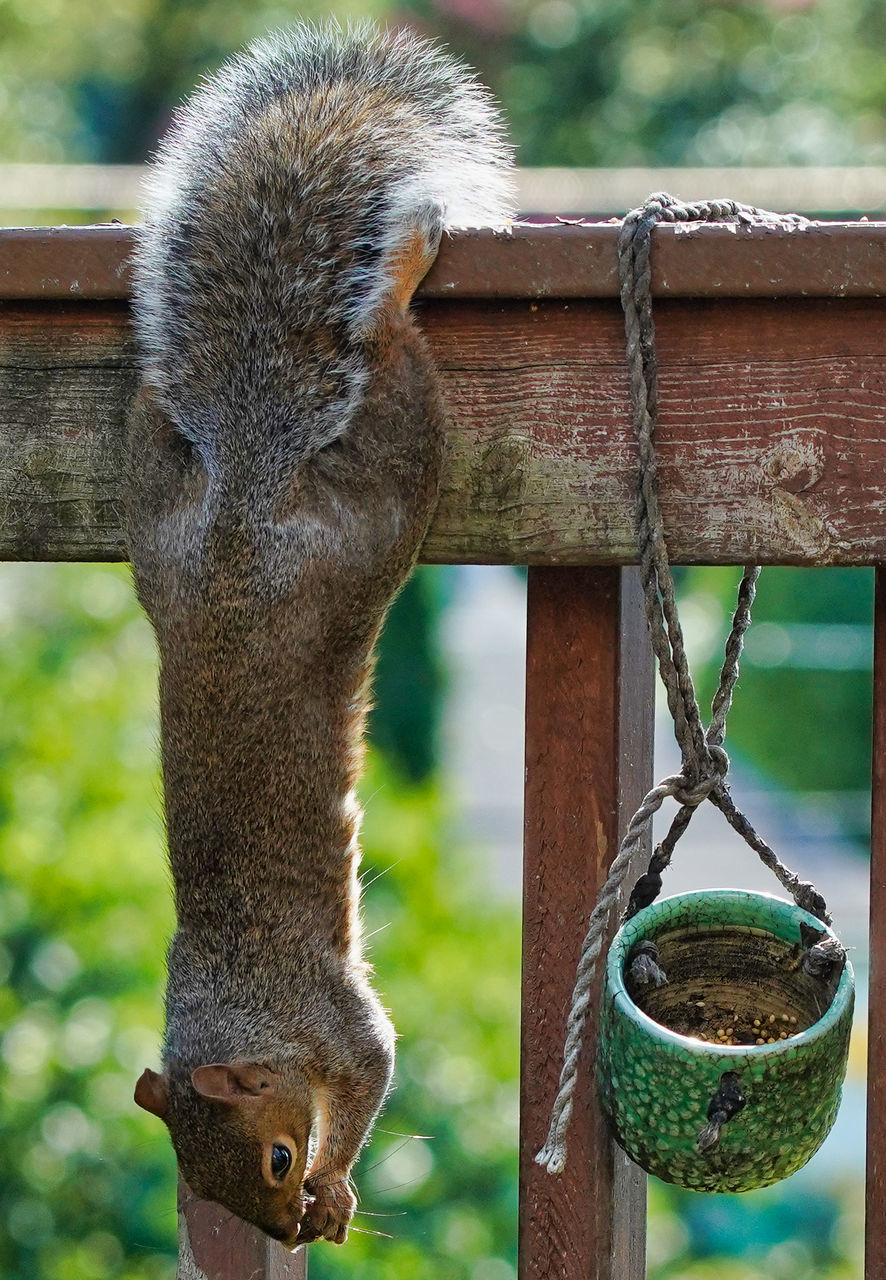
<point x="731" y="958"/>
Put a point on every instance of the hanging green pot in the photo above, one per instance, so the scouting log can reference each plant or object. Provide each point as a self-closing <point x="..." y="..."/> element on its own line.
<point x="726" y="1076"/>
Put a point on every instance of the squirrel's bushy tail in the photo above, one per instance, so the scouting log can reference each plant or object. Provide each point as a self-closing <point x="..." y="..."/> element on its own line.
<point x="283" y="191"/>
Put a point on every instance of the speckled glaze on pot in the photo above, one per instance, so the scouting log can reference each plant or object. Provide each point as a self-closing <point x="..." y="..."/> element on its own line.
<point x="656" y="1084"/>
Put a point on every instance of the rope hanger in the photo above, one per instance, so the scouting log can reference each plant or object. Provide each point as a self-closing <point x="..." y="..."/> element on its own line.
<point x="705" y="764"/>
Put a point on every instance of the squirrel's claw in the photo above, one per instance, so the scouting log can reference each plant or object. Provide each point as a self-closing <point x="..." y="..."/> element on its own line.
<point x="328" y="1213"/>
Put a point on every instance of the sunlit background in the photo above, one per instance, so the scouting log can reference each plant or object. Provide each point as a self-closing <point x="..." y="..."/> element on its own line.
<point x="636" y="97"/>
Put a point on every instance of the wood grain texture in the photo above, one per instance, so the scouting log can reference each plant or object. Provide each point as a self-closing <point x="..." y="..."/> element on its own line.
<point x="214" y="1245"/>
<point x="875" y="1202"/>
<point x="772" y="438"/>
<point x="67" y="376"/>
<point x="588" y="762"/>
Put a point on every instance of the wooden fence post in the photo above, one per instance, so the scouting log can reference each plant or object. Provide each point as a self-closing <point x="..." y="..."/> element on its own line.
<point x="589" y="722"/>
<point x="214" y="1245"/>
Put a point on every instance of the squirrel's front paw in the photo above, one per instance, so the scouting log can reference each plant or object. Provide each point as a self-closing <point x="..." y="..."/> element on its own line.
<point x="328" y="1212"/>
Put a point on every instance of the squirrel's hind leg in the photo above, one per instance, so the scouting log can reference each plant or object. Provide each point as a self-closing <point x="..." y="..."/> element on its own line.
<point x="407" y="255"/>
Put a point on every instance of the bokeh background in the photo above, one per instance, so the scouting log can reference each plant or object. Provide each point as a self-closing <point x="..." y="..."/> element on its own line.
<point x="86" y="1181"/>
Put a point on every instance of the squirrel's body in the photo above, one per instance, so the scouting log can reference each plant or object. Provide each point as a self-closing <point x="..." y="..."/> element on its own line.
<point x="283" y="465"/>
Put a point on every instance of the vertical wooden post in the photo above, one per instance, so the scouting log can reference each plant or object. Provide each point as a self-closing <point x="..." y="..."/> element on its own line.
<point x="214" y="1245"/>
<point x="875" y="1203"/>
<point x="589" y="724"/>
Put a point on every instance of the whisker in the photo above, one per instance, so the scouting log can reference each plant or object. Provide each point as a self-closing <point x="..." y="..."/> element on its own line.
<point x="380" y="929"/>
<point x="365" y="884"/>
<point x="319" y="1174"/>
<point x="382" y="786"/>
<point x="423" y="1137"/>
<point x="387" y="1155"/>
<point x="383" y="1191"/>
<point x="365" y="1231"/>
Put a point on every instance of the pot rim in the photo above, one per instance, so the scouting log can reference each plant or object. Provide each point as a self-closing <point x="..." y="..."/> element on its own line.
<point x="639" y="926"/>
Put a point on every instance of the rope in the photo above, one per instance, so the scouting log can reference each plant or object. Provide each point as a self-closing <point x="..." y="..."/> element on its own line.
<point x="644" y="969"/>
<point x="704" y="760"/>
<point x="723" y="1107"/>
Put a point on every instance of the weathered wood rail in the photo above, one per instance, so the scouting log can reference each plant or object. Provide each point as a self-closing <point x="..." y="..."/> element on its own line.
<point x="772" y="370"/>
<point x="773" y="447"/>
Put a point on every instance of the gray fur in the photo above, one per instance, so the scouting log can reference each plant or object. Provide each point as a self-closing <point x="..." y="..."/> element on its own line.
<point x="283" y="464"/>
<point x="308" y="244"/>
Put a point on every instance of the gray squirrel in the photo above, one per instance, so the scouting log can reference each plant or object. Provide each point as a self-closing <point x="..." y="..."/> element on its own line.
<point x="283" y="462"/>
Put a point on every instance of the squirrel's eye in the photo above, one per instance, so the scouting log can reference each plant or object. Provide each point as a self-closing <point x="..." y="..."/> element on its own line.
<point x="281" y="1159"/>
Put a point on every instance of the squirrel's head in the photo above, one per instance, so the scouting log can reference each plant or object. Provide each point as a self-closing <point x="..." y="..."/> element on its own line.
<point x="241" y="1133"/>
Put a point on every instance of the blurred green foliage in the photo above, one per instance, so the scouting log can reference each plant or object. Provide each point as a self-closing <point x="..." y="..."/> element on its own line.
<point x="801" y="714"/>
<point x="88" y="1183"/>
<point x="409" y="679"/>
<point x="682" y="82"/>
<point x="87" y="1187"/>
<point x="591" y="82"/>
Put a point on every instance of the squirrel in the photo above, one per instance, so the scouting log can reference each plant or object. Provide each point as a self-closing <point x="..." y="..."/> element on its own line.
<point x="282" y="466"/>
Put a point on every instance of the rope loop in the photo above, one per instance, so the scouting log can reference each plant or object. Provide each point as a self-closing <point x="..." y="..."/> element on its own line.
<point x="705" y="764"/>
<point x="692" y="795"/>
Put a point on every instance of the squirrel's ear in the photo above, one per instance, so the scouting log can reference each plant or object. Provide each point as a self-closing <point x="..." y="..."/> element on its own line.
<point x="405" y="263"/>
<point x="233" y="1081"/>
<point x="152" y="1093"/>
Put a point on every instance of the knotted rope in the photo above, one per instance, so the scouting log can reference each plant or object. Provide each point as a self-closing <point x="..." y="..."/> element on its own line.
<point x="725" y="1105"/>
<point x="704" y="760"/>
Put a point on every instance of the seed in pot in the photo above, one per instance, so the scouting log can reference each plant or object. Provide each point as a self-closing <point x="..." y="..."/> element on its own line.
<point x="772" y="1017"/>
<point x="761" y="1041"/>
<point x="785" y="1018"/>
<point x="756" y="1022"/>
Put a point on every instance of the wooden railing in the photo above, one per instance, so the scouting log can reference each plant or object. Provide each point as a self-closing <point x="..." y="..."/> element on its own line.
<point x="772" y="448"/>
